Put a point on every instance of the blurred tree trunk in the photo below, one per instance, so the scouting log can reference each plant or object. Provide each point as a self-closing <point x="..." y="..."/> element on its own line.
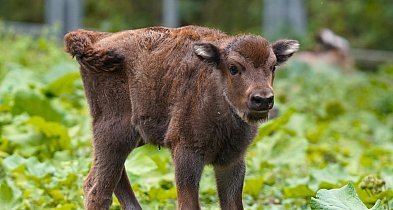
<point x="64" y="14"/>
<point x="170" y="13"/>
<point x="283" y="18"/>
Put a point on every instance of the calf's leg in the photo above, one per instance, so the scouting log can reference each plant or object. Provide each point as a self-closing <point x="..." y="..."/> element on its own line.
<point x="188" y="170"/>
<point x="89" y="181"/>
<point x="230" y="185"/>
<point x="113" y="141"/>
<point x="124" y="193"/>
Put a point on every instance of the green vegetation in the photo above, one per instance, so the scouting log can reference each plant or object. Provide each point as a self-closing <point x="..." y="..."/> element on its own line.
<point x="333" y="129"/>
<point x="343" y="198"/>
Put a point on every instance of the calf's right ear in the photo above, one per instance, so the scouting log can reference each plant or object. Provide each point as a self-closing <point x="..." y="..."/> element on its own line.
<point x="207" y="52"/>
<point x="284" y="49"/>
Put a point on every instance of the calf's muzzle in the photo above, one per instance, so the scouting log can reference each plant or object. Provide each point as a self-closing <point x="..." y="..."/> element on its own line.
<point x="261" y="101"/>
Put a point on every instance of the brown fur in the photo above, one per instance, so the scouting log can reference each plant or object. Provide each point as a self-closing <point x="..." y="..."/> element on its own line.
<point x="172" y="87"/>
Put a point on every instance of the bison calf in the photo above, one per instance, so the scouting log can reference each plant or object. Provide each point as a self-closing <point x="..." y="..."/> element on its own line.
<point x="195" y="90"/>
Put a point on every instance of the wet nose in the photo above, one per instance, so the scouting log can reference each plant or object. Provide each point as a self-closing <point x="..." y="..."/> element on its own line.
<point x="260" y="101"/>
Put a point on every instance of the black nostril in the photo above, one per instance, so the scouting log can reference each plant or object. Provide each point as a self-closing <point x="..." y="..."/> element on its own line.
<point x="260" y="103"/>
<point x="270" y="101"/>
<point x="256" y="99"/>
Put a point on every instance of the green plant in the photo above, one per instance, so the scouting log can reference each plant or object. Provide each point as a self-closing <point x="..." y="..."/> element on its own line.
<point x="332" y="129"/>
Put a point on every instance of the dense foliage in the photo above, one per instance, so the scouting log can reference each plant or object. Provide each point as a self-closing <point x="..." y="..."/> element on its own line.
<point x="333" y="129"/>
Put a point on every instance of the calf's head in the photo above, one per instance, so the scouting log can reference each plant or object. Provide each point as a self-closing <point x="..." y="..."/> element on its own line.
<point x="247" y="65"/>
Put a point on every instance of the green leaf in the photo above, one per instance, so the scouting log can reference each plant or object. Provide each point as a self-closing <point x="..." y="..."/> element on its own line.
<point x="289" y="151"/>
<point x="344" y="198"/>
<point x="59" y="70"/>
<point x="13" y="81"/>
<point x="64" y="84"/>
<point x="37" y="169"/>
<point x="53" y="131"/>
<point x="6" y="194"/>
<point x="273" y="125"/>
<point x="334" y="109"/>
<point x="66" y="207"/>
<point x="8" y="199"/>
<point x="35" y="104"/>
<point x="13" y="161"/>
<point x="253" y="186"/>
<point x="300" y="191"/>
<point x="329" y="176"/>
<point x="140" y="164"/>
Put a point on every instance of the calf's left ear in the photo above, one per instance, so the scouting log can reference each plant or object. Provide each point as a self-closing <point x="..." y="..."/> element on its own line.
<point x="207" y="52"/>
<point x="284" y="49"/>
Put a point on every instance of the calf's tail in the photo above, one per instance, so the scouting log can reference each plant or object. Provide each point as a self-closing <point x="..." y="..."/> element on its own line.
<point x="81" y="45"/>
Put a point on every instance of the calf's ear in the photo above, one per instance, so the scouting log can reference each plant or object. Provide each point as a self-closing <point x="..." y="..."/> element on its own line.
<point x="207" y="52"/>
<point x="284" y="49"/>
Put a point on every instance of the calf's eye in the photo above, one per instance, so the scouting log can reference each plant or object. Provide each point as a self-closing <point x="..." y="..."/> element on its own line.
<point x="233" y="69"/>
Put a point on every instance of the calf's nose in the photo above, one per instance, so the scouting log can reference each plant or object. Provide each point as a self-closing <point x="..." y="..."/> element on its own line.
<point x="259" y="101"/>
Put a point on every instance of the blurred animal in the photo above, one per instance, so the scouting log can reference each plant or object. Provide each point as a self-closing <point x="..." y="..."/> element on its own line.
<point x="333" y="50"/>
<point x="195" y="90"/>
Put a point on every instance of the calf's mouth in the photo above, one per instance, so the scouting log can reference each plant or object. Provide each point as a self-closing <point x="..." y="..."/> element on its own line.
<point x="256" y="117"/>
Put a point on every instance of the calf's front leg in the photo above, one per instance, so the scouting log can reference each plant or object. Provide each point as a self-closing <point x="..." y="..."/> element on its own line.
<point x="230" y="180"/>
<point x="188" y="170"/>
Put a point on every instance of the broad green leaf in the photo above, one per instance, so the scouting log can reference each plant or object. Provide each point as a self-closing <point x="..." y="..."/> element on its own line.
<point x="316" y="132"/>
<point x="161" y="194"/>
<point x="300" y="191"/>
<point x="6" y="194"/>
<point x="66" y="207"/>
<point x="344" y="198"/>
<point x="273" y="125"/>
<point x="253" y="186"/>
<point x="296" y="124"/>
<point x="16" y="79"/>
<point x="35" y="104"/>
<point x="52" y="130"/>
<point x="64" y="84"/>
<point x="332" y="174"/>
<point x="59" y="70"/>
<point x="38" y="169"/>
<point x="289" y="150"/>
<point x="334" y="109"/>
<point x="8" y="199"/>
<point x="160" y="162"/>
<point x="279" y="149"/>
<point x="13" y="161"/>
<point x="140" y="164"/>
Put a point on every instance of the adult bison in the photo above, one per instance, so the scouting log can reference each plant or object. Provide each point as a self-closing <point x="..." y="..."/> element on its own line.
<point x="195" y="90"/>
